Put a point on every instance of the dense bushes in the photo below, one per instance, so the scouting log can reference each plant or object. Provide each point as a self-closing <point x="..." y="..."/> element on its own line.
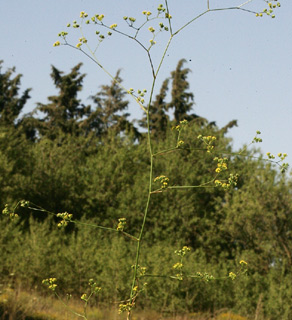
<point x="96" y="170"/>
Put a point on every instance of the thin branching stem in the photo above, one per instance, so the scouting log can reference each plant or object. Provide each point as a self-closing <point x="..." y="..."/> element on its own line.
<point x="40" y="209"/>
<point x="163" y="56"/>
<point x="148" y="198"/>
<point x="204" y="185"/>
<point x="212" y="10"/>
<point x="209" y="184"/>
<point x="134" y="38"/>
<point x="169" y="19"/>
<point x="243" y="4"/>
<point x="93" y="58"/>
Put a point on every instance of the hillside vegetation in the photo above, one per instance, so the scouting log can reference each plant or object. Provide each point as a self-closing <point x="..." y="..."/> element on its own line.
<point x="89" y="161"/>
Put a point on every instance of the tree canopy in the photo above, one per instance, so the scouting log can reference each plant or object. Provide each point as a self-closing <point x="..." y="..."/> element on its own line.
<point x="90" y="160"/>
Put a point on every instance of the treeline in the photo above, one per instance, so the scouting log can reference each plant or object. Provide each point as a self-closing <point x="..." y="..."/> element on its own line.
<point x="92" y="161"/>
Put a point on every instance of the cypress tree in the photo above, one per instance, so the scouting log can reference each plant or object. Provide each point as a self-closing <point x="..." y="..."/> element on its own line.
<point x="109" y="115"/>
<point x="182" y="101"/>
<point x="11" y="103"/>
<point x="64" y="114"/>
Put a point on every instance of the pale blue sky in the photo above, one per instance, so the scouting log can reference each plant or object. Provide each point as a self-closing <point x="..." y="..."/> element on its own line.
<point x="241" y="65"/>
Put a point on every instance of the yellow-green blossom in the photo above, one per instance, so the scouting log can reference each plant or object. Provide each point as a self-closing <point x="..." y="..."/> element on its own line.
<point x="83" y="14"/>
<point x="232" y="275"/>
<point x="84" y="297"/>
<point x="177" y="265"/>
<point x="56" y="44"/>
<point x="100" y="17"/>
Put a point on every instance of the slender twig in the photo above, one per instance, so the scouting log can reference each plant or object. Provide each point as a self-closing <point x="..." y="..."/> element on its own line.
<point x="92" y="56"/>
<point x="169" y="19"/>
<point x="95" y="60"/>
<point x="38" y="208"/>
<point x="243" y="4"/>
<point x="136" y="40"/>
<point x="163" y="55"/>
<point x="148" y="198"/>
<point x="213" y="10"/>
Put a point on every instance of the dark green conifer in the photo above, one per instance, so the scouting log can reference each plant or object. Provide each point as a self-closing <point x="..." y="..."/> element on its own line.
<point x="182" y="101"/>
<point x="109" y="115"/>
<point x="11" y="104"/>
<point x="64" y="114"/>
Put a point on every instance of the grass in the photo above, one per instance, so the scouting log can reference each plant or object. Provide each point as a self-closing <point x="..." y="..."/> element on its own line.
<point x="18" y="304"/>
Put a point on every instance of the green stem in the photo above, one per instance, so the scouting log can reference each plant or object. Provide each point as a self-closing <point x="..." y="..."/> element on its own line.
<point x="147" y="110"/>
<point x="163" y="56"/>
<point x="95" y="60"/>
<point x="213" y="10"/>
<point x="169" y="20"/>
<point x="37" y="208"/>
<point x="146" y="208"/>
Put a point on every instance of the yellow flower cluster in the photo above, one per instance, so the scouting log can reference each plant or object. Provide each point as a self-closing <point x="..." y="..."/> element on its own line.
<point x="270" y="156"/>
<point x="160" y="8"/>
<point x="269" y="12"/>
<point x="243" y="263"/>
<point x="6" y="211"/>
<point x="181" y="124"/>
<point x="282" y="156"/>
<point x="142" y="271"/>
<point x="221" y="164"/>
<point x="83" y="14"/>
<point x="66" y="218"/>
<point x="100" y="17"/>
<point x="84" y="297"/>
<point x="50" y="283"/>
<point x="232" y="275"/>
<point x="205" y="276"/>
<point x="126" y="307"/>
<point x="131" y="19"/>
<point x="180" y="143"/>
<point x="81" y="41"/>
<point x="94" y="286"/>
<point x="56" y="44"/>
<point x="183" y="251"/>
<point x="256" y="139"/>
<point x="163" y="181"/>
<point x="208" y="140"/>
<point x="177" y="265"/>
<point x="232" y="181"/>
<point x="162" y="26"/>
<point x="122" y="223"/>
<point x="147" y="13"/>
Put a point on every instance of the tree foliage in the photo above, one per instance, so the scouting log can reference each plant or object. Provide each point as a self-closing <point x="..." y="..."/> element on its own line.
<point x="64" y="114"/>
<point x="90" y="161"/>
